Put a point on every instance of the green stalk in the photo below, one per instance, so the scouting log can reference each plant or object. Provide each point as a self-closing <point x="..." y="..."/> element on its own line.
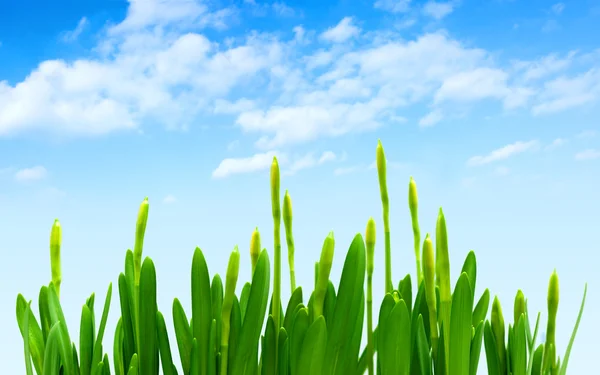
<point x="370" y="244"/>
<point x="254" y="248"/>
<point x="498" y="329"/>
<point x="55" y="267"/>
<point x="325" y="264"/>
<point x="140" y="230"/>
<point x="549" y="362"/>
<point x="428" y="277"/>
<point x="519" y="307"/>
<point x="233" y="269"/>
<point x="275" y="203"/>
<point x="287" y="222"/>
<point x="385" y="201"/>
<point x="413" y="204"/>
<point x="443" y="270"/>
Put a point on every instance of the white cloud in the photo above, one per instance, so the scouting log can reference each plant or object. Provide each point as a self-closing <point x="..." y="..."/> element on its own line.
<point x="589" y="154"/>
<point x="233" y="145"/>
<point x="473" y="85"/>
<point x="393" y="6"/>
<point x="169" y="199"/>
<point x="31" y="174"/>
<point x="587" y="134"/>
<point x="159" y="67"/>
<point x="438" y="10"/>
<point x="431" y="118"/>
<point x="569" y="92"/>
<point x="71" y="36"/>
<point x="327" y="156"/>
<point x="558" y="8"/>
<point x="504" y="153"/>
<point x="309" y="161"/>
<point x="545" y="66"/>
<point x="343" y="31"/>
<point x="240" y="105"/>
<point x="346" y="170"/>
<point x="255" y="163"/>
<point x="558" y="142"/>
<point x="282" y="9"/>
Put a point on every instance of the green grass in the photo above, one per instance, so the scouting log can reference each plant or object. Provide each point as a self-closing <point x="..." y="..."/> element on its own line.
<point x="431" y="328"/>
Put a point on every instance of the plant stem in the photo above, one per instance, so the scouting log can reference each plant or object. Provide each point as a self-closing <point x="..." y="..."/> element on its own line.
<point x="275" y="203"/>
<point x="287" y="222"/>
<point x="413" y="204"/>
<point x="385" y="201"/>
<point x="370" y="244"/>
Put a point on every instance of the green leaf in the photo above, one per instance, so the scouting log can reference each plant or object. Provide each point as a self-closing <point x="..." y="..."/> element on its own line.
<point x="201" y="307"/>
<point x="470" y="268"/>
<point x="565" y="362"/>
<point x="340" y="332"/>
<point x="405" y="289"/>
<point x="254" y="317"/>
<point x="313" y="348"/>
<point x="28" y="368"/>
<point x="183" y="334"/>
<point x="97" y="356"/>
<point x="163" y="344"/>
<point x="300" y="325"/>
<point x="44" y="309"/>
<point x="476" y="342"/>
<point x="35" y="337"/>
<point x="538" y="355"/>
<point x="147" y="315"/>
<point x="519" y="348"/>
<point x="128" y="317"/>
<point x="86" y="341"/>
<point x="481" y="309"/>
<point x="491" y="353"/>
<point x="460" y="327"/>
<point x="422" y="347"/>
<point x="118" y="349"/>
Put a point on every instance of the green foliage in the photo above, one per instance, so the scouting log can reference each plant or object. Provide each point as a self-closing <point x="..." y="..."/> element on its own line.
<point x="440" y="332"/>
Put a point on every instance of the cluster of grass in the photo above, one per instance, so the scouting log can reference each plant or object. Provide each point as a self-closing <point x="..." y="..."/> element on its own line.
<point x="429" y="329"/>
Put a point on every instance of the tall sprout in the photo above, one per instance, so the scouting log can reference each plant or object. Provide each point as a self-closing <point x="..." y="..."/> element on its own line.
<point x="254" y="248"/>
<point x="413" y="204"/>
<point x="385" y="201"/>
<point x="275" y="203"/>
<point x="55" y="265"/>
<point x="442" y="260"/>
<point x="550" y="347"/>
<point x="428" y="277"/>
<point x="230" y="284"/>
<point x="370" y="245"/>
<point x="287" y="222"/>
<point x="325" y="263"/>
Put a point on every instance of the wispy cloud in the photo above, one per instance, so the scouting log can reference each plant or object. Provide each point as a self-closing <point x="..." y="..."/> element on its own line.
<point x="557" y="8"/>
<point x="72" y="35"/>
<point x="438" y="10"/>
<point x="589" y="154"/>
<point x="169" y="199"/>
<point x="31" y="174"/>
<point x="309" y="161"/>
<point x="504" y="153"/>
<point x="558" y="142"/>
<point x="393" y="6"/>
<point x="343" y="31"/>
<point x="254" y="163"/>
<point x="347" y="170"/>
<point x="431" y="118"/>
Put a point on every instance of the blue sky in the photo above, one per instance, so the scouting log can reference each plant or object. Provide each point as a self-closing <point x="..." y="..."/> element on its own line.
<point x="492" y="106"/>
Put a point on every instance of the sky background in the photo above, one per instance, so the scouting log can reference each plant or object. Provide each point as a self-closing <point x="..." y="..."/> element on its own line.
<point x="491" y="105"/>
